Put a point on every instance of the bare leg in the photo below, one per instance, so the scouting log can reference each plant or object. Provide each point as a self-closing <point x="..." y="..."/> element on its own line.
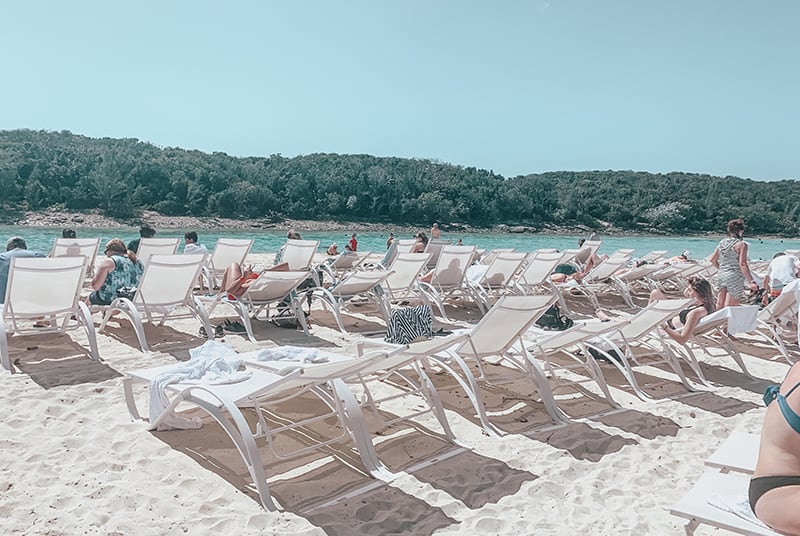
<point x="657" y="294"/>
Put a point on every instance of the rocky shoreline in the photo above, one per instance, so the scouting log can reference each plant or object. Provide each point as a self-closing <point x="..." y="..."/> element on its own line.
<point x="78" y="220"/>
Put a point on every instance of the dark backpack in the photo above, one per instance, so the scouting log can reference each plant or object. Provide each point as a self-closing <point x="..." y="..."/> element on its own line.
<point x="552" y="319"/>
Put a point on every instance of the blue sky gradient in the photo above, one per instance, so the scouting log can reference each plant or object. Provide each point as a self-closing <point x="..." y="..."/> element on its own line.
<point x="513" y="86"/>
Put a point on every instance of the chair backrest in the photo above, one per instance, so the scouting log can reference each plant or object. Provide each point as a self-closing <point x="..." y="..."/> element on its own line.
<point x="434" y="247"/>
<point x="299" y="253"/>
<point x="540" y="265"/>
<point x="358" y="283"/>
<point x="156" y="246"/>
<point x="623" y="253"/>
<point x="43" y="286"/>
<point x="654" y="255"/>
<point x="502" y="268"/>
<point x="578" y="333"/>
<point x="504" y="323"/>
<point x="639" y="272"/>
<point x="405" y="245"/>
<point x="405" y="270"/>
<point x="489" y="257"/>
<point x="655" y="314"/>
<point x="349" y="260"/>
<point x="778" y="307"/>
<point x="738" y="319"/>
<point x="452" y="265"/>
<point x="229" y="251"/>
<point x="274" y="286"/>
<point x="606" y="269"/>
<point x="168" y="280"/>
<point x="76" y="247"/>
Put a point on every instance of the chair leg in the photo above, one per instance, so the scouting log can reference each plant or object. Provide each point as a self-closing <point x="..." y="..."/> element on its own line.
<point x="85" y="318"/>
<point x="5" y="357"/>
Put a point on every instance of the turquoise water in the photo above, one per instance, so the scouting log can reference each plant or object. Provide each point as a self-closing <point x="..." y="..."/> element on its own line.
<point x="41" y="239"/>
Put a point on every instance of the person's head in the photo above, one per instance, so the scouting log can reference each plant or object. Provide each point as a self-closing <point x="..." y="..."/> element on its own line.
<point x="736" y="227"/>
<point x="701" y="289"/>
<point x="580" y="242"/>
<point x="147" y="232"/>
<point x="685" y="254"/>
<point x="435" y="225"/>
<point x="778" y="254"/>
<point x="353" y="235"/>
<point x="16" y="242"/>
<point x="68" y="233"/>
<point x="190" y="237"/>
<point x="333" y="247"/>
<point x="293" y="235"/>
<point x="422" y="237"/>
<point x="391" y="235"/>
<point x="116" y="247"/>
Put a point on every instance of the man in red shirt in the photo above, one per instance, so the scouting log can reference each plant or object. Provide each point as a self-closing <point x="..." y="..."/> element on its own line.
<point x="353" y="243"/>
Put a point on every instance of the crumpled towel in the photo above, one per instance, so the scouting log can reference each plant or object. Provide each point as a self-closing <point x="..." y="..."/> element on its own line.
<point x="737" y="505"/>
<point x="213" y="363"/>
<point x="291" y="353"/>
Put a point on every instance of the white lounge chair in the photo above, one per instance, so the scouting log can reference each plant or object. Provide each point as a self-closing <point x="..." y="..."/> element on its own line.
<point x="405" y="245"/>
<point x="164" y="291"/>
<point x="499" y="334"/>
<point x="269" y="288"/>
<point x="641" y="338"/>
<point x="75" y="247"/>
<point x="710" y="332"/>
<point x="347" y="262"/>
<point x="448" y="279"/>
<point x="434" y="248"/>
<point x="260" y="390"/>
<point x="738" y="453"/>
<point x="496" y="277"/>
<point x="156" y="246"/>
<point x="535" y="278"/>
<point x="402" y="283"/>
<point x="778" y="320"/>
<point x="720" y="500"/>
<point x="367" y="284"/>
<point x="299" y="254"/>
<point x="44" y="291"/>
<point x="227" y="251"/>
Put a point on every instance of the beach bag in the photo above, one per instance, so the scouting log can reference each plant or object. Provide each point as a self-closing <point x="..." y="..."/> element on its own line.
<point x="407" y="324"/>
<point x="552" y="319"/>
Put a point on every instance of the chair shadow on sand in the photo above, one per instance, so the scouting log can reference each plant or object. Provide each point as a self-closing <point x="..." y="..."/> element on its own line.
<point x="329" y="488"/>
<point x="56" y="360"/>
<point x="515" y="410"/>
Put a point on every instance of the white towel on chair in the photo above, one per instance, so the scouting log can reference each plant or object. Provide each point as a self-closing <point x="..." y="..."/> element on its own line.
<point x="212" y="363"/>
<point x="291" y="353"/>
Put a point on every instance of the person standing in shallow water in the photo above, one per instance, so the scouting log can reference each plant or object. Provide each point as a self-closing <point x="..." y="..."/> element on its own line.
<point x="730" y="257"/>
<point x="435" y="232"/>
<point x="353" y="243"/>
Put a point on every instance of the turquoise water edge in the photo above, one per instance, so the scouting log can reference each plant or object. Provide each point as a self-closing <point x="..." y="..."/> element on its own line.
<point x="41" y="239"/>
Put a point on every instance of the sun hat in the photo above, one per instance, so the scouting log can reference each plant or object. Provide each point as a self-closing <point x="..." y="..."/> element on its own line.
<point x="685" y="253"/>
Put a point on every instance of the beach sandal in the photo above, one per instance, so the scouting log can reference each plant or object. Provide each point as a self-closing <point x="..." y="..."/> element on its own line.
<point x="234" y="327"/>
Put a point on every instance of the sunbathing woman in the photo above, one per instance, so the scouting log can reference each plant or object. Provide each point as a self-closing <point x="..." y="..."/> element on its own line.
<point x="775" y="486"/>
<point x="681" y="327"/>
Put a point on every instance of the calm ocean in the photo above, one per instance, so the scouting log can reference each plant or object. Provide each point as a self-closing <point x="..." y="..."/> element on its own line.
<point x="41" y="239"/>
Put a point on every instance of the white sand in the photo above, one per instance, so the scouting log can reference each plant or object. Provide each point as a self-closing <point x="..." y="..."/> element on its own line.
<point x="73" y="462"/>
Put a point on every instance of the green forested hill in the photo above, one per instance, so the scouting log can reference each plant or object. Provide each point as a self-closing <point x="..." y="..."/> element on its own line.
<point x="40" y="169"/>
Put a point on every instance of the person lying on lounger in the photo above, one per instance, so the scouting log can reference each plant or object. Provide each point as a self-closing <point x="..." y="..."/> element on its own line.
<point x="681" y="327"/>
<point x="775" y="486"/>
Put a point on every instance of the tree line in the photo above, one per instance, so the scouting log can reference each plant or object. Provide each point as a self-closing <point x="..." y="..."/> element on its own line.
<point x="121" y="177"/>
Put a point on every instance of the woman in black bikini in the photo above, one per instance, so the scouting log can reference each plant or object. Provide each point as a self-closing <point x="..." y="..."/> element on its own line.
<point x="681" y="327"/>
<point x="775" y="487"/>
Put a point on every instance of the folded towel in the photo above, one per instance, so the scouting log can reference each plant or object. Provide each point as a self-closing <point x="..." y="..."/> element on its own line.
<point x="737" y="505"/>
<point x="213" y="363"/>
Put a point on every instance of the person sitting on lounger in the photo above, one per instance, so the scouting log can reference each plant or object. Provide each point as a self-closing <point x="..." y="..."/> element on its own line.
<point x="681" y="327"/>
<point x="15" y="247"/>
<point x="421" y="243"/>
<point x="775" y="486"/>
<point x="120" y="268"/>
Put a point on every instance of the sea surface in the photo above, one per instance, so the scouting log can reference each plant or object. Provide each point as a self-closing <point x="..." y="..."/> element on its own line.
<point x="41" y="239"/>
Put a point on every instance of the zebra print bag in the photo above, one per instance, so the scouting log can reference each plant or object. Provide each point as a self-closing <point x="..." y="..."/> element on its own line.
<point x="409" y="323"/>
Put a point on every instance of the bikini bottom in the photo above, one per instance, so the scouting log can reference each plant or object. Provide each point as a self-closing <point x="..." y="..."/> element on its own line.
<point x="762" y="484"/>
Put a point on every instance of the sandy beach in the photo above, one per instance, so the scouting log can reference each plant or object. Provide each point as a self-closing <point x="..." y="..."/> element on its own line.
<point x="74" y="462"/>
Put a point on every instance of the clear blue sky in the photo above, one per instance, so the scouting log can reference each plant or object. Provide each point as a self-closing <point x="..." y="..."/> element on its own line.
<point x="512" y="86"/>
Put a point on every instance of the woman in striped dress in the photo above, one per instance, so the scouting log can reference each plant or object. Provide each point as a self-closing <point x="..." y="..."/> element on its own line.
<point x="730" y="257"/>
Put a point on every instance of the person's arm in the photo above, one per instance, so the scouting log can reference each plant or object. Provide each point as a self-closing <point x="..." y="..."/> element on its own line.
<point x="105" y="267"/>
<point x="685" y="332"/>
<point x="744" y="266"/>
<point x="714" y="259"/>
